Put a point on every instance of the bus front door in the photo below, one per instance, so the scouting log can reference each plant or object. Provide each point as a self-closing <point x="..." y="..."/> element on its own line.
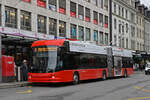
<point x="117" y="66"/>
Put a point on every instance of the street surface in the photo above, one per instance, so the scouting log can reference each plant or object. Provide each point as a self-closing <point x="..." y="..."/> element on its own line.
<point x="135" y="87"/>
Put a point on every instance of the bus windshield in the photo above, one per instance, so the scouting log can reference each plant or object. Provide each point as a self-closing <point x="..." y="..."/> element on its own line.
<point x="44" y="59"/>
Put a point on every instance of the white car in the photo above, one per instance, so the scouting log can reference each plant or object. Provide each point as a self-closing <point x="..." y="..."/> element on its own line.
<point x="147" y="69"/>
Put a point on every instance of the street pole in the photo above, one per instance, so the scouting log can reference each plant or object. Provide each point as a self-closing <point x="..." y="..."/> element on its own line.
<point x="0" y="58"/>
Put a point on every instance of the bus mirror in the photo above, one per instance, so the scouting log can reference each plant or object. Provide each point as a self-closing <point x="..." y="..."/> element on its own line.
<point x="66" y="46"/>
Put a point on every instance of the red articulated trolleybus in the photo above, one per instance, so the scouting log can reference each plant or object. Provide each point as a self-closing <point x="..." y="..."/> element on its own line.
<point x="64" y="60"/>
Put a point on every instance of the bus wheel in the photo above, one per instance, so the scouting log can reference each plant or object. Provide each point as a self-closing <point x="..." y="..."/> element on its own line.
<point x="125" y="74"/>
<point x="104" y="76"/>
<point x="75" y="78"/>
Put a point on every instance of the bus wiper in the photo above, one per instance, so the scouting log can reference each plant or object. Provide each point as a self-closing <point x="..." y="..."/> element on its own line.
<point x="49" y="70"/>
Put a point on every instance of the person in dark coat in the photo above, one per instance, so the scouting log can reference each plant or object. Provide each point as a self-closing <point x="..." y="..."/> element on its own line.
<point x="24" y="69"/>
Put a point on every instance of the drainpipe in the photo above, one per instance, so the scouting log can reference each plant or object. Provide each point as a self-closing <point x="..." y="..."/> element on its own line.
<point x="110" y="22"/>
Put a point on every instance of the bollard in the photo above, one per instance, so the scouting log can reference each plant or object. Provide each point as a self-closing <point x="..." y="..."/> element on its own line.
<point x="19" y="75"/>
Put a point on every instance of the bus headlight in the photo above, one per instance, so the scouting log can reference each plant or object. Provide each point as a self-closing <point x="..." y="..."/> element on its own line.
<point x="53" y="76"/>
<point x="29" y="76"/>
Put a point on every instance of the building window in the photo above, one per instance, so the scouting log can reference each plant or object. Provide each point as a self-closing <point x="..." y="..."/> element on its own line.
<point x="52" y="4"/>
<point x="81" y="12"/>
<point x="101" y="3"/>
<point x="10" y="17"/>
<point x="127" y="27"/>
<point x="106" y="5"/>
<point x="95" y="20"/>
<point x="122" y="12"/>
<point x="119" y="26"/>
<point x="73" y="31"/>
<point x="101" y="38"/>
<point x="119" y="10"/>
<point x="115" y="8"/>
<point x="137" y="46"/>
<point x="101" y="19"/>
<point x="88" y="34"/>
<point x="0" y="16"/>
<point x="25" y="18"/>
<point x="122" y="42"/>
<point x="106" y="22"/>
<point x="115" y="23"/>
<point x="115" y="40"/>
<point x="119" y="41"/>
<point x="41" y="3"/>
<point x="132" y="31"/>
<point x="87" y="14"/>
<point x="41" y="24"/>
<point x="106" y="38"/>
<point x="127" y="43"/>
<point x="62" y="6"/>
<point x="132" y="17"/>
<point x="81" y="33"/>
<point x="123" y="28"/>
<point x="88" y="0"/>
<point x="126" y="14"/>
<point x="52" y="26"/>
<point x="95" y="2"/>
<point x="132" y="44"/>
<point x="72" y="9"/>
<point x="96" y="36"/>
<point x="26" y="1"/>
<point x="62" y="28"/>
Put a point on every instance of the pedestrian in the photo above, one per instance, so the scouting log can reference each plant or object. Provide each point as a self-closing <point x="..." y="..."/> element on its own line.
<point x="24" y="69"/>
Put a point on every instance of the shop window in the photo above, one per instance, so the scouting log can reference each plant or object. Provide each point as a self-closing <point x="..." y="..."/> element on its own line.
<point x="41" y="3"/>
<point x="62" y="28"/>
<point x="101" y="19"/>
<point x="10" y="17"/>
<point x="87" y="14"/>
<point x="62" y="6"/>
<point x="25" y="18"/>
<point x="52" y="4"/>
<point x="81" y="33"/>
<point x="101" y="38"/>
<point x="106" y="5"/>
<point x="81" y="12"/>
<point x="26" y="1"/>
<point x="96" y="36"/>
<point x="88" y="34"/>
<point x="95" y="20"/>
<point x="41" y="24"/>
<point x="106" y="22"/>
<point x="52" y="26"/>
<point x="73" y="31"/>
<point x="72" y="9"/>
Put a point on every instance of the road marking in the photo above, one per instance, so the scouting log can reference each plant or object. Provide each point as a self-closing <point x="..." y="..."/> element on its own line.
<point x="24" y="92"/>
<point x="139" y="98"/>
<point x="137" y="87"/>
<point x="142" y="89"/>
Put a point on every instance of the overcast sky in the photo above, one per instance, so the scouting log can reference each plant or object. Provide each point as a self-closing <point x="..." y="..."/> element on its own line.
<point x="146" y="2"/>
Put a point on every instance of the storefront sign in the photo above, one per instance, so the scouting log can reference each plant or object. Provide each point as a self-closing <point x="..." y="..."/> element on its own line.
<point x="23" y="33"/>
